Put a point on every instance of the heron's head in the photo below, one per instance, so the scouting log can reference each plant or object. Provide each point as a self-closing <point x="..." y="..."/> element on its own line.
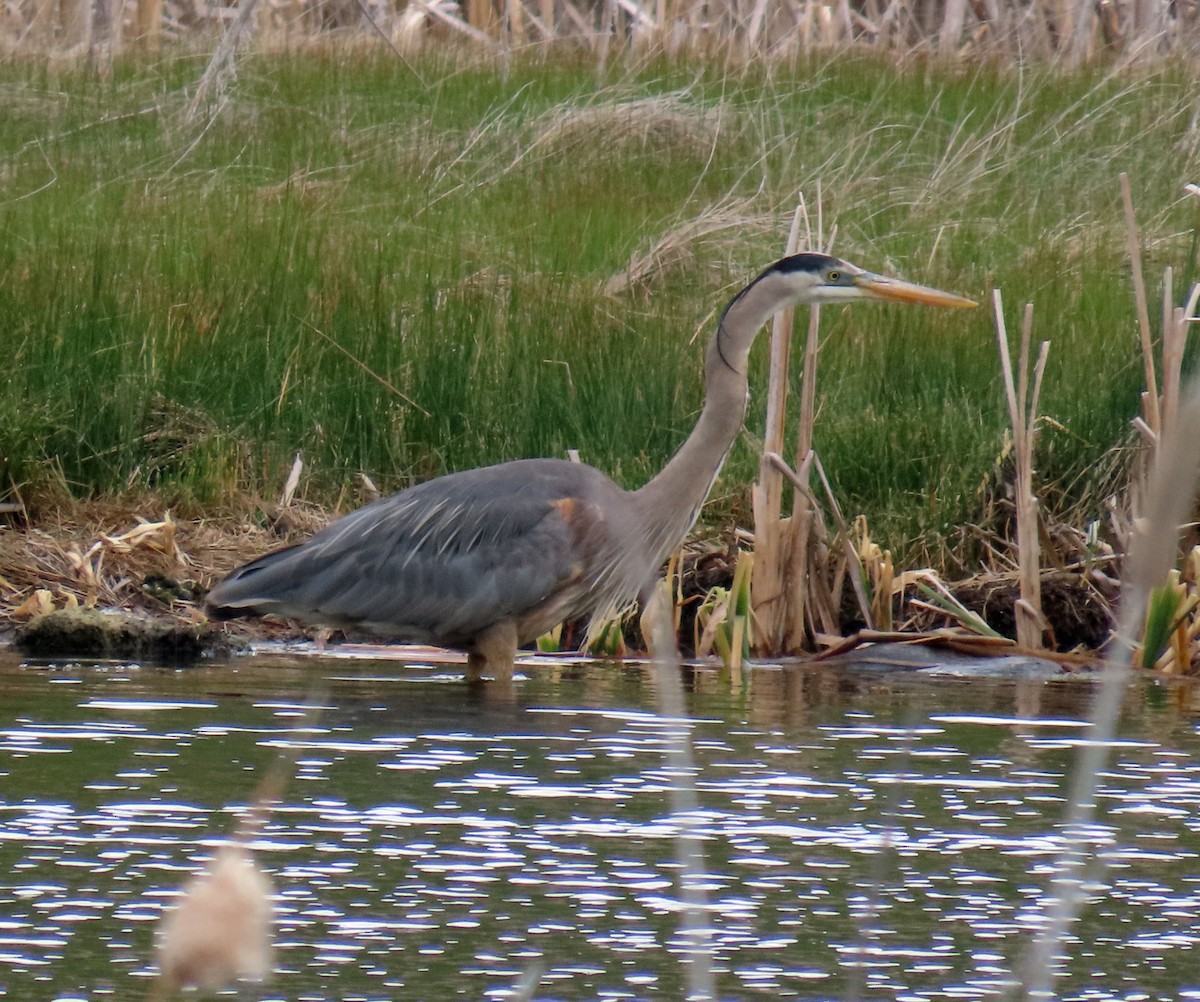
<point x="819" y="278"/>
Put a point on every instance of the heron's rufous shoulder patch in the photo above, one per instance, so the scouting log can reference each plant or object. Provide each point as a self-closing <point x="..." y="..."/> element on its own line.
<point x="576" y="513"/>
<point x="583" y="520"/>
<point x="566" y="507"/>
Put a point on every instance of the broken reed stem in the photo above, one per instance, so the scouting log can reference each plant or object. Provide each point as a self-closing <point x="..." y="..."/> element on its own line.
<point x="797" y="609"/>
<point x="777" y="387"/>
<point x="1022" y="411"/>
<point x="1170" y="381"/>
<point x="293" y="481"/>
<point x="1174" y="341"/>
<point x="1151" y="404"/>
<point x="1153" y="550"/>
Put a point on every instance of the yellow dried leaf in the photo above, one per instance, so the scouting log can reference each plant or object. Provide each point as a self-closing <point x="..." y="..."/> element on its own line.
<point x="39" y="603"/>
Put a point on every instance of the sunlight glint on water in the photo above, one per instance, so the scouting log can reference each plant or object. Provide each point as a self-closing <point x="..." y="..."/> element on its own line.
<point x="862" y="832"/>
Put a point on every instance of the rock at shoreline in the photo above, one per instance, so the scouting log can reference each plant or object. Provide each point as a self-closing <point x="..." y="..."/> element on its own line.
<point x="89" y="633"/>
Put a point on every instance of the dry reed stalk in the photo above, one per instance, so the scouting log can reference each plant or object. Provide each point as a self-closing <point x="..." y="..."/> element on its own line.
<point x="514" y="15"/>
<point x="738" y="31"/>
<point x="71" y="25"/>
<point x="806" y="585"/>
<point x="1080" y="32"/>
<point x="952" y="26"/>
<point x="767" y="582"/>
<point x="946" y="637"/>
<point x="878" y="568"/>
<point x="794" y="599"/>
<point x="147" y="22"/>
<point x="1150" y="401"/>
<point x="480" y="14"/>
<point x="1022" y="412"/>
<point x="1153" y="551"/>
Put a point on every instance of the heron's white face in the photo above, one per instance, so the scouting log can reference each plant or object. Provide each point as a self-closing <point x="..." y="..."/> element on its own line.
<point x="842" y="282"/>
<point x="837" y="283"/>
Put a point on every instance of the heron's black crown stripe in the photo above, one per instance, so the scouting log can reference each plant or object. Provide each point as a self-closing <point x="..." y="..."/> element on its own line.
<point x="816" y="263"/>
<point x="808" y="261"/>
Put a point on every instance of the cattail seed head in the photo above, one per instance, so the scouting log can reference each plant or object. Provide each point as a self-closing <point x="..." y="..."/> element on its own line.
<point x="220" y="931"/>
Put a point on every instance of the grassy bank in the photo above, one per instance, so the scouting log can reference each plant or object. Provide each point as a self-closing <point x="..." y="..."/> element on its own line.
<point x="404" y="273"/>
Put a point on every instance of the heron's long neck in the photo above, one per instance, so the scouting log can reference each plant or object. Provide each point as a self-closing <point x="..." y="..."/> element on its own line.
<point x="671" y="501"/>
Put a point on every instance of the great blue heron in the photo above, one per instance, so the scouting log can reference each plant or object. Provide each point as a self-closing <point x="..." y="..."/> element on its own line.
<point x="488" y="559"/>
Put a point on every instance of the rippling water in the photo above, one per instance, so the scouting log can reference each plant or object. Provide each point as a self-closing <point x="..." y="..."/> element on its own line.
<point x="866" y="834"/>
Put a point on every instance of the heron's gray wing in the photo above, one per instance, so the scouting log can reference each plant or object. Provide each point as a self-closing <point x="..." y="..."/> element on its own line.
<point x="439" y="561"/>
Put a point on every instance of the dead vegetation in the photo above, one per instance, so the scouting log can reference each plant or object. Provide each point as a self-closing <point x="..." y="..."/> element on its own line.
<point x="132" y="555"/>
<point x="727" y="220"/>
<point x="1069" y="31"/>
<point x="669" y="122"/>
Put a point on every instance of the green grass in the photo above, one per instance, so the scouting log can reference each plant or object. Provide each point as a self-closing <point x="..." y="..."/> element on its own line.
<point x="173" y="296"/>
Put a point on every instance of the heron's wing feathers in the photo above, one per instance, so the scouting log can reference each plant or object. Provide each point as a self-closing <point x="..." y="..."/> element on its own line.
<point x="431" y="562"/>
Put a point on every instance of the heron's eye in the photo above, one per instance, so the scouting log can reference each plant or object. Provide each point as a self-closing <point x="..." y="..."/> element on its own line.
<point x="833" y="276"/>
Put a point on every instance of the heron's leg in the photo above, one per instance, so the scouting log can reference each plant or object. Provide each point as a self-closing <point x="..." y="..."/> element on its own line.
<point x="494" y="652"/>
<point x="476" y="662"/>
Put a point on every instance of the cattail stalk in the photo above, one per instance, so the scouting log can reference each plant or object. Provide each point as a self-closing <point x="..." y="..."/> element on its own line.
<point x="1022" y="411"/>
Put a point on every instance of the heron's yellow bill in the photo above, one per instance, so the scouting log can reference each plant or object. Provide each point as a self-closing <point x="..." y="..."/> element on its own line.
<point x="897" y="291"/>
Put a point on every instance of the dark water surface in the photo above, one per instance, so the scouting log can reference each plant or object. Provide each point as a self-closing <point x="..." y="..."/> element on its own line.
<point x="867" y="835"/>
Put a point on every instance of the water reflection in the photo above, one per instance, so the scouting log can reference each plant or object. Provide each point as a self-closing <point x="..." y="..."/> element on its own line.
<point x="864" y="833"/>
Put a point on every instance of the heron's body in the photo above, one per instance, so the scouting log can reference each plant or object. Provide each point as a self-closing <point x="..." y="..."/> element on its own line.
<point x="527" y="542"/>
<point x="488" y="559"/>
